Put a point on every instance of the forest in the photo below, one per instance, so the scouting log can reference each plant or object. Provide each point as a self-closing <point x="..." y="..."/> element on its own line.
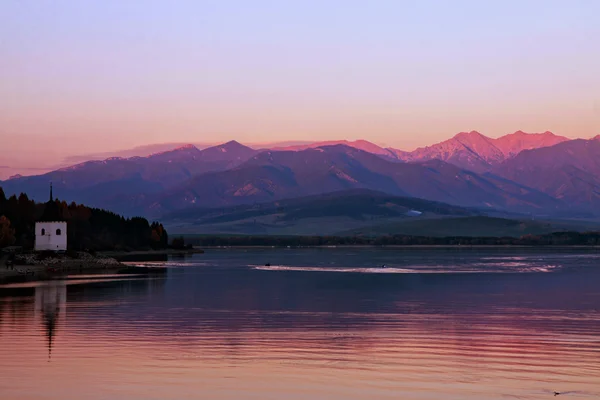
<point x="552" y="239"/>
<point x="88" y="229"/>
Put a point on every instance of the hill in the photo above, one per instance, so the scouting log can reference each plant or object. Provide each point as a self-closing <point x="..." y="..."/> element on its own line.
<point x="470" y="226"/>
<point x="312" y="215"/>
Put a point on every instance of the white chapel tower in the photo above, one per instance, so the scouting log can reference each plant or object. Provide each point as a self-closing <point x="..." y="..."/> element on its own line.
<point x="51" y="229"/>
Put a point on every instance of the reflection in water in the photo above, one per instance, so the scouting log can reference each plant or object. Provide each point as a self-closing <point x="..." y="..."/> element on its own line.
<point x="221" y="329"/>
<point x="51" y="302"/>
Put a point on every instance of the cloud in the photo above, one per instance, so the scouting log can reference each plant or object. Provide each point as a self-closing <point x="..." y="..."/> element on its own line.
<point x="24" y="168"/>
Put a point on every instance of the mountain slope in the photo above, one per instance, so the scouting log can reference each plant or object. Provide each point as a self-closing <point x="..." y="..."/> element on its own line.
<point x="514" y="143"/>
<point x="476" y="152"/>
<point x="569" y="171"/>
<point x="277" y="175"/>
<point x="321" y="214"/>
<point x="470" y="150"/>
<point x="468" y="226"/>
<point x="357" y="144"/>
<point x="537" y="180"/>
<point x="114" y="182"/>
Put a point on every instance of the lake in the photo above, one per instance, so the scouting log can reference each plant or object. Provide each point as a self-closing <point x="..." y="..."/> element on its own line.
<point x="314" y="324"/>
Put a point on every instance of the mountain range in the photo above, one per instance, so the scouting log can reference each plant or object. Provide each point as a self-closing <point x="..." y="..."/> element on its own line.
<point x="469" y="150"/>
<point x="476" y="152"/>
<point x="568" y="171"/>
<point x="533" y="174"/>
<point x="273" y="175"/>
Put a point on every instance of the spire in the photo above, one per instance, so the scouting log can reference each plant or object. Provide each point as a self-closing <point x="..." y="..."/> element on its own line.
<point x="51" y="197"/>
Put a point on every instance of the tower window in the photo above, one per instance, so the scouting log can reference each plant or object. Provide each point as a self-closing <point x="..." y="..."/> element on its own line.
<point x="58" y="232"/>
<point x="43" y="231"/>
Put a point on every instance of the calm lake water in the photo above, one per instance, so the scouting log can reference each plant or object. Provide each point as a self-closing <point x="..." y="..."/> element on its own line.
<point x="316" y="324"/>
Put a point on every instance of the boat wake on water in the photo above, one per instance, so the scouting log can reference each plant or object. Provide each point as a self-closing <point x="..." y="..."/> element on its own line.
<point x="419" y="270"/>
<point x="386" y="270"/>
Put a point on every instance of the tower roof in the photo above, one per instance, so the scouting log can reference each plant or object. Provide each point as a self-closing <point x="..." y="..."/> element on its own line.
<point x="51" y="211"/>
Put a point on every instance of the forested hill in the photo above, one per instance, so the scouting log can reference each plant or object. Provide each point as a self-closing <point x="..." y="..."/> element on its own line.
<point x="87" y="229"/>
<point x="550" y="239"/>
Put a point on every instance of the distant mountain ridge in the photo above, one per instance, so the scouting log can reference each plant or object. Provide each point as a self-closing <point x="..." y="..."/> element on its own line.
<point x="543" y="174"/>
<point x="568" y="171"/>
<point x="514" y="143"/>
<point x="274" y="175"/>
<point x="468" y="150"/>
<point x="128" y="181"/>
<point x="479" y="153"/>
<point x="357" y="144"/>
<point x="532" y="141"/>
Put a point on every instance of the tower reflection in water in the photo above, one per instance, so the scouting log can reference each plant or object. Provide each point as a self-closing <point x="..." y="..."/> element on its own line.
<point x="50" y="306"/>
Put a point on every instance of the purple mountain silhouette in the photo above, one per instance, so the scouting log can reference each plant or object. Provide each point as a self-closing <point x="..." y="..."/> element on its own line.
<point x="568" y="171"/>
<point x="275" y="175"/>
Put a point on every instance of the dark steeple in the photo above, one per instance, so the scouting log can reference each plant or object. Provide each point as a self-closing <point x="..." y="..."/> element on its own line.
<point x="52" y="212"/>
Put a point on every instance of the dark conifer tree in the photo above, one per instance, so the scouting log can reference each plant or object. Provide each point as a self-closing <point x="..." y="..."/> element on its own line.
<point x="87" y="228"/>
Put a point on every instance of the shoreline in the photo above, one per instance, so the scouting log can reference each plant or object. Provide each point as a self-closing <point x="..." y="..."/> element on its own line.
<point x="121" y="255"/>
<point x="409" y="246"/>
<point x="30" y="268"/>
<point x="40" y="272"/>
<point x="117" y="262"/>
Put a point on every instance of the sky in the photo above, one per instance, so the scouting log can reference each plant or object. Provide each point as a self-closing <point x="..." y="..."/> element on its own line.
<point x="81" y="77"/>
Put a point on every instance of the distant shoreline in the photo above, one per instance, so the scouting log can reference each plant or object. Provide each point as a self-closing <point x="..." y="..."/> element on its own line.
<point x="557" y="239"/>
<point x="399" y="246"/>
<point x="113" y="262"/>
<point x="148" y="255"/>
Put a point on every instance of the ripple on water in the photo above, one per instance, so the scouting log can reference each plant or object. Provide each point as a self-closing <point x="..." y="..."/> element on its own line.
<point x="226" y="330"/>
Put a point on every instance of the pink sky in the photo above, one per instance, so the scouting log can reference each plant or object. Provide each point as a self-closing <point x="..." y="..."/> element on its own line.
<point x="83" y="77"/>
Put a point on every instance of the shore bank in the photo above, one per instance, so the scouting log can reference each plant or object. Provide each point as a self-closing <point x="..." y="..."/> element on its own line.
<point x="30" y="267"/>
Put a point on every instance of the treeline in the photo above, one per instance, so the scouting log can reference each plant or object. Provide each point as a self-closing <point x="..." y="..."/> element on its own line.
<point x="87" y="228"/>
<point x="553" y="239"/>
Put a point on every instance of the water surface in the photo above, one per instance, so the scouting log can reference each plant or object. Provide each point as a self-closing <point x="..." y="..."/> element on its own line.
<point x="314" y="324"/>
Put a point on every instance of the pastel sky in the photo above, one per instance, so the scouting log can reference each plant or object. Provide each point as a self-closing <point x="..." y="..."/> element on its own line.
<point x="90" y="76"/>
